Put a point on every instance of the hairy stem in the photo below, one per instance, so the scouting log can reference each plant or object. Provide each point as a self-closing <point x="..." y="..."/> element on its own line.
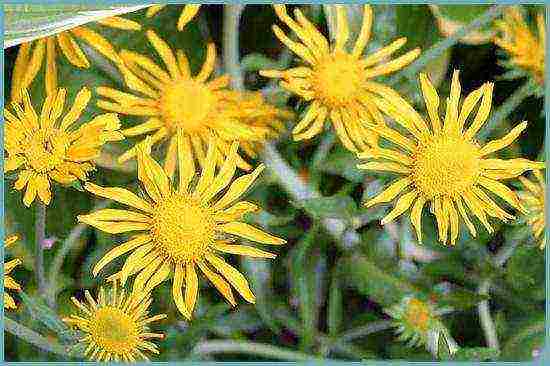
<point x="250" y="348"/>
<point x="231" y="18"/>
<point x="67" y="245"/>
<point x="485" y="318"/>
<point x="34" y="338"/>
<point x="39" y="236"/>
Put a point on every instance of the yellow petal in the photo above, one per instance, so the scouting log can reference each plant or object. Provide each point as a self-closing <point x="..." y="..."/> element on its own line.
<point x="171" y="159"/>
<point x="120" y="195"/>
<point x="236" y="211"/>
<point x="233" y="276"/>
<point x="237" y="188"/>
<point x="71" y="50"/>
<point x="19" y="69"/>
<point x="187" y="14"/>
<point x="79" y="104"/>
<point x="207" y="174"/>
<point x="165" y="52"/>
<point x="503" y="142"/>
<point x="35" y="62"/>
<point x="51" y="67"/>
<point x="119" y="250"/>
<point x="364" y="34"/>
<point x="153" y="9"/>
<point x="243" y="250"/>
<point x="176" y="291"/>
<point x="431" y="98"/>
<point x="502" y="191"/>
<point x="391" y="192"/>
<point x="222" y="285"/>
<point x="97" y="41"/>
<point x="186" y="163"/>
<point x="152" y="176"/>
<point x="119" y="23"/>
<point x="191" y="286"/>
<point x="250" y="232"/>
<point x="31" y="191"/>
<point x="416" y="216"/>
<point x="402" y="205"/>
<point x="482" y="113"/>
<point x="114" y="227"/>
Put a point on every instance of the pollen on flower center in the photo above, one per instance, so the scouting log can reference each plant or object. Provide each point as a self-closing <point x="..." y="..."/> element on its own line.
<point x="45" y="150"/>
<point x="183" y="228"/>
<point x="186" y="104"/>
<point x="337" y="79"/>
<point x="113" y="330"/>
<point x="418" y="314"/>
<point x="446" y="166"/>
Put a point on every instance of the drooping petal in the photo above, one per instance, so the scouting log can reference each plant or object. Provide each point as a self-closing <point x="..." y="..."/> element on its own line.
<point x="235" y="278"/>
<point x="250" y="232"/>
<point x="119" y="250"/>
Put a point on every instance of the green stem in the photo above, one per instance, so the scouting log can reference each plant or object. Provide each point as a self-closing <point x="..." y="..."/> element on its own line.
<point x="485" y="318"/>
<point x="437" y="49"/>
<point x="40" y="235"/>
<point x="67" y="245"/>
<point x="34" y="338"/>
<point x="250" y="348"/>
<point x="504" y="110"/>
<point x="231" y="18"/>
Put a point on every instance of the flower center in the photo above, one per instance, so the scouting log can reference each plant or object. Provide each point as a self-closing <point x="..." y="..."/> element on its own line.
<point x="337" y="80"/>
<point x="186" y="104"/>
<point x="183" y="228"/>
<point x="446" y="166"/>
<point x="113" y="330"/>
<point x="45" y="149"/>
<point x="418" y="315"/>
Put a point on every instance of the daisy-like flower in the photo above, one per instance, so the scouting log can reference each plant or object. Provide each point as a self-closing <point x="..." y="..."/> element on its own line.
<point x="418" y="323"/>
<point x="445" y="165"/>
<point x="533" y="198"/>
<point x="31" y="55"/>
<point x="187" y="14"/>
<point x="336" y="81"/>
<point x="115" y="326"/>
<point x="44" y="148"/>
<point x="526" y="50"/>
<point x="180" y="229"/>
<point x="173" y="100"/>
<point x="9" y="283"/>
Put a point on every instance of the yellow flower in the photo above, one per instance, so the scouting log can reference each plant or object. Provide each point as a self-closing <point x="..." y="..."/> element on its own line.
<point x="31" y="54"/>
<point x="44" y="148"/>
<point x="257" y="113"/>
<point x="445" y="165"/>
<point x="337" y="82"/>
<point x="418" y="323"/>
<point x="9" y="283"/>
<point x="179" y="229"/>
<point x="534" y="201"/>
<point x="187" y="14"/>
<point x="175" y="101"/>
<point x="526" y="49"/>
<point x="116" y="325"/>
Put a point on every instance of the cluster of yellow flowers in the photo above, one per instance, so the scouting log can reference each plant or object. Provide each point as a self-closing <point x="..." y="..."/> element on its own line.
<point x="190" y="213"/>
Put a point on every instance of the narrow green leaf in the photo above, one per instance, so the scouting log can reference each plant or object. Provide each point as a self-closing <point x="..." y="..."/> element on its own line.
<point x="343" y="207"/>
<point x="382" y="287"/>
<point x="475" y="354"/>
